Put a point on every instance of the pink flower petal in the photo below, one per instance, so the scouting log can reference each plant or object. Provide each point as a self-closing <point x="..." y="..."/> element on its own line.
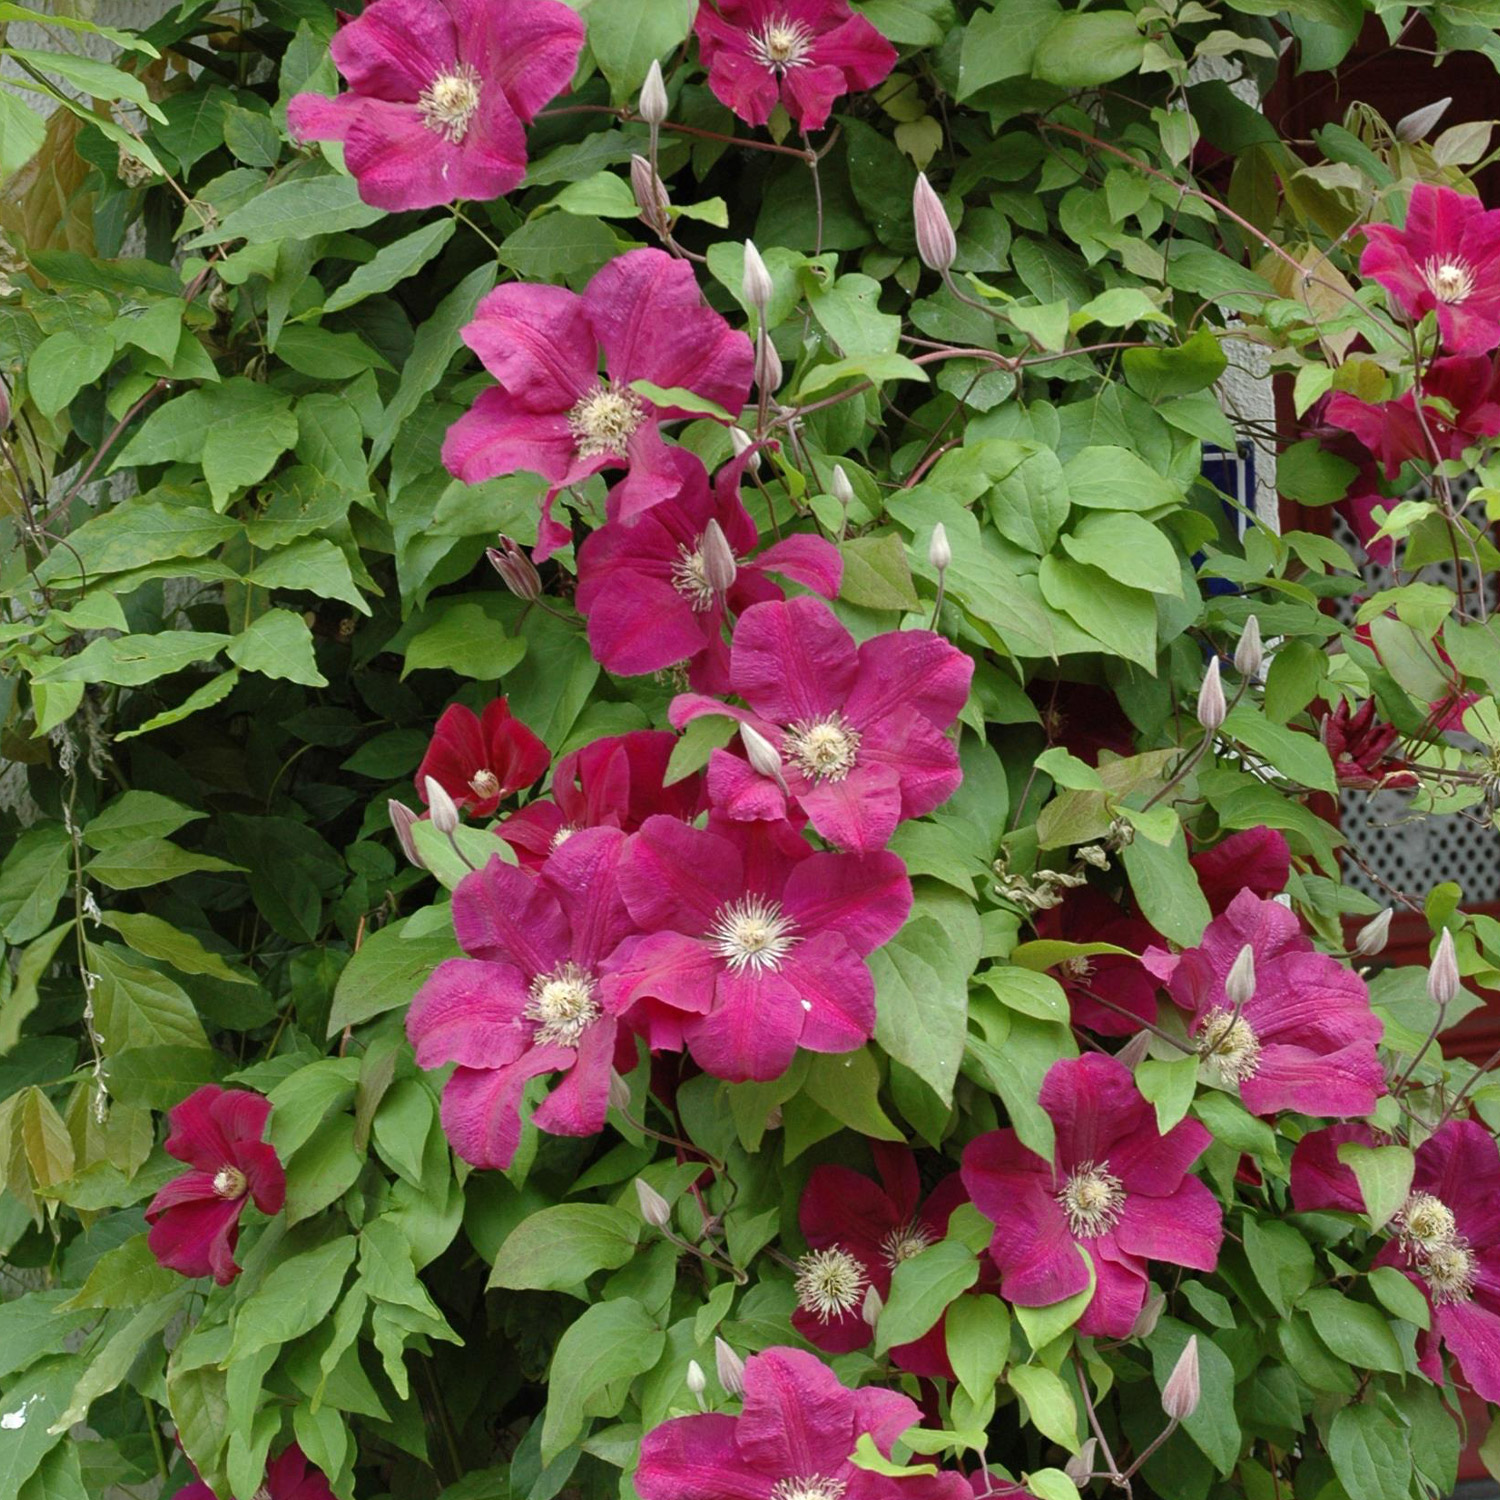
<point x="502" y="915"/>
<point x="481" y="1110"/>
<point x="498" y="436"/>
<point x="536" y="341"/>
<point x="835" y="992"/>
<point x="793" y="661"/>
<point x="864" y="898"/>
<point x="470" y="1012"/>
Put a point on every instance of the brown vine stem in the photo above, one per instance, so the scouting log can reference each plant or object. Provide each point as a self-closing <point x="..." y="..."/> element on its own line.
<point x="629" y="117"/>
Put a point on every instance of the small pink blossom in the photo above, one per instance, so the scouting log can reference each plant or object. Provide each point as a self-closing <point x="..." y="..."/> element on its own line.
<point x="554" y="414"/>
<point x="1446" y="260"/>
<point x="288" y="1477"/>
<point x="480" y="759"/>
<point x="802" y="54"/>
<point x="440" y="93"/>
<point x="643" y="589"/>
<point x="861" y="730"/>
<point x="793" y="1440"/>
<point x="1116" y="1188"/>
<point x="1305" y="1039"/>
<point x="755" y="944"/>
<point x="534" y="996"/>
<point x="195" y="1218"/>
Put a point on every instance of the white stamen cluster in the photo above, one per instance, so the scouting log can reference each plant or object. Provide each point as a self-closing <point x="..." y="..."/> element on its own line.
<point x="1229" y="1044"/>
<point x="449" y="103"/>
<point x="809" y="1487"/>
<point x="1428" y="1231"/>
<point x="484" y="784"/>
<point x="782" y="44"/>
<point x="1092" y="1198"/>
<point x="605" y="420"/>
<point x="904" y="1242"/>
<point x="829" y="1283"/>
<point x="1449" y="1272"/>
<point x="562" y="835"/>
<point x="690" y="578"/>
<point x="563" y="1006"/>
<point x="1077" y="969"/>
<point x="1425" y="1223"/>
<point x="1450" y="281"/>
<point x="825" y="749"/>
<point x="752" y="933"/>
<point x="229" y="1183"/>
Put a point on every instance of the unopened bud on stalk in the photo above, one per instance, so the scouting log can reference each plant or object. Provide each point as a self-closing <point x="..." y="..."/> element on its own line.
<point x="1133" y="1053"/>
<point x="939" y="553"/>
<point x="1080" y="1467"/>
<point x="1212" y="709"/>
<point x="730" y="1368"/>
<point x="1181" y="1393"/>
<point x="761" y="753"/>
<point x="442" y="807"/>
<point x="1442" y="977"/>
<point x="757" y="285"/>
<point x="655" y="1209"/>
<point x="403" y="820"/>
<point x="871" y="1308"/>
<point x="1249" y="654"/>
<point x="936" y="243"/>
<point x="741" y="441"/>
<point x="619" y="1091"/>
<point x="516" y="569"/>
<point x="1374" y="935"/>
<point x="696" y="1381"/>
<point x="650" y="195"/>
<point x="767" y="366"/>
<point x="654" y="102"/>
<point x="719" y="567"/>
<point x="1239" y="985"/>
<point x="4" y="408"/>
<point x="1418" y="124"/>
<point x="1148" y="1317"/>
<point x="840" y="488"/>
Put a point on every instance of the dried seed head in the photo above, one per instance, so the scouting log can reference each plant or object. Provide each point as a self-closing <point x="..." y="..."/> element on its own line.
<point x="654" y="103"/>
<point x="403" y="820"/>
<point x="441" y="806"/>
<point x="1442" y="976"/>
<point x="1249" y="654"/>
<point x="758" y="286"/>
<point x="1212" y="709"/>
<point x="1181" y="1393"/>
<point x="655" y="1209"/>
<point x="1374" y="935"/>
<point x="939" y="553"/>
<point x="936" y="243"/>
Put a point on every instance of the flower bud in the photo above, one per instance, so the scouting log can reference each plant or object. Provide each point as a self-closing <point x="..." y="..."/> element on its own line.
<point x="403" y="820"/>
<point x="697" y="1381"/>
<point x="1418" y="124"/>
<point x="655" y="1209"/>
<point x="1080" y="1467"/>
<point x="1249" y="654"/>
<point x="442" y="807"/>
<point x="1133" y="1053"/>
<point x="719" y="567"/>
<point x="757" y="285"/>
<point x="1374" y="935"/>
<point x="741" y="441"/>
<point x="936" y="243"/>
<point x="761" y="753"/>
<point x="4" y="407"/>
<point x="871" y="1308"/>
<point x="1442" y="977"/>
<point x="939" y="553"/>
<point x="1212" y="709"/>
<point x="730" y="1367"/>
<point x="650" y="195"/>
<point x="768" y="370"/>
<point x="1239" y="984"/>
<point x="1179" y="1396"/>
<point x="516" y="569"/>
<point x="840" y="488"/>
<point x="1149" y="1316"/>
<point x="654" y="102"/>
<point x="619" y="1091"/>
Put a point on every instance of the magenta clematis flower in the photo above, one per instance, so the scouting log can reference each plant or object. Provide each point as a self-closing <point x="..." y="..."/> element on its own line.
<point x="1089" y="916"/>
<point x="480" y="759"/>
<point x="1395" y="433"/>
<point x="1445" y="1239"/>
<point x="646" y="596"/>
<point x="288" y="1477"/>
<point x="1255" y="859"/>
<point x="552" y="412"/>
<point x="1446" y="260"/>
<point x="758" y="943"/>
<point x="1305" y="1040"/>
<point x="802" y="54"/>
<point x="791" y="1441"/>
<point x="861" y="730"/>
<point x="440" y="93"/>
<point x="534" y="996"/>
<point x="857" y="1233"/>
<point x="616" y="782"/>
<point x="195" y="1218"/>
<point x="1116" y="1188"/>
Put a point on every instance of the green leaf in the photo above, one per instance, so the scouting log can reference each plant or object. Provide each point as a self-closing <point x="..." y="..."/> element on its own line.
<point x="868" y="1457"/>
<point x="386" y="972"/>
<point x="558" y="246"/>
<point x="1384" y="1174"/>
<point x="1298" y="756"/>
<point x="32" y="881"/>
<point x="27" y="1412"/>
<point x="295" y="210"/>
<point x="111" y="1363"/>
<point x="1043" y="1324"/>
<point x="22" y="133"/>
<point x="1024" y="990"/>
<point x="127" y="1276"/>
<point x="978" y="1341"/>
<point x="1170" y="1086"/>
<point x="467" y="641"/>
<point x="61" y="365"/>
<point x="554" y="1249"/>
<point x="137" y="1007"/>
<point x="134" y="535"/>
<point x="133" y="660"/>
<point x="131" y="867"/>
<point x="921" y="1289"/>
<point x="296" y="1295"/>
<point x="1399" y="1297"/>
<point x="1305" y="472"/>
<point x="313" y="564"/>
<point x="876" y="573"/>
<point x="847" y="1086"/>
<point x="1166" y="888"/>
<point x="876" y="368"/>
<point x="1281" y="1260"/>
<point x="216" y="690"/>
<point x="1121" y="618"/>
<point x="1000" y="43"/>
<point x="323" y="1170"/>
<point x="1370" y="1454"/>
<point x="1165" y="373"/>
<point x="154" y="938"/>
<point x="610" y="1344"/>
<point x="278" y="644"/>
<point x="921" y="994"/>
<point x="1213" y="1425"/>
<point x="1126" y="546"/>
<point x="96" y="79"/>
<point x="627" y="36"/>
<point x="1049" y="1403"/>
<point x="1112" y="478"/>
<point x="1355" y="1331"/>
<point x="1082" y="50"/>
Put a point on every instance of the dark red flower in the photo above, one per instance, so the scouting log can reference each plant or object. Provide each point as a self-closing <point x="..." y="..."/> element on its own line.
<point x="1357" y="744"/>
<point x="1083" y="719"/>
<point x="1089" y="916"/>
<point x="1255" y="859"/>
<point x="195" y="1218"/>
<point x="481" y="759"/>
<point x="288" y="1477"/>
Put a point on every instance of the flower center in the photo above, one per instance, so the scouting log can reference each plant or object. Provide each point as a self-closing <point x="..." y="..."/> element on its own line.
<point x="1077" y="969"/>
<point x="903" y="1243"/>
<point x="809" y="1487"/>
<point x="1426" y="1224"/>
<point x="826" y="749"/>
<point x="484" y="784"/>
<point x="1449" y="280"/>
<point x="1449" y="1272"/>
<point x="229" y="1183"/>
<point x="1091" y="1198"/>
<point x="605" y="420"/>
<point x="263" y="1493"/>
<point x="448" y="104"/>
<point x="1230" y="1044"/>
<point x="752" y="933"/>
<point x="829" y="1283"/>
<point x="782" y="44"/>
<point x="563" y="1006"/>
<point x="562" y="835"/>
<point x="690" y="577"/>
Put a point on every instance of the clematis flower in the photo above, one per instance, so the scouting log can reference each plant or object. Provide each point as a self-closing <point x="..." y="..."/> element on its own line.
<point x="480" y="759"/>
<point x="757" y="943"/>
<point x="643" y="589"/>
<point x="615" y="782"/>
<point x="1082" y="718"/>
<point x="288" y="1477"/>
<point x="1446" y="260"/>
<point x="1357" y="744"/>
<point x="858" y="1232"/>
<point x="1395" y="433"/>
<point x="1115" y="1188"/>
<point x="535" y="996"/>
<point x="195" y="1218"/>
<point x="802" y="54"/>
<point x="1089" y="916"/>
<point x="1255" y="859"/>
<point x="440" y="93"/>
<point x="792" y="1441"/>
<point x="555" y="415"/>
<point x="1305" y="1039"/>
<point x="861" y="730"/>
